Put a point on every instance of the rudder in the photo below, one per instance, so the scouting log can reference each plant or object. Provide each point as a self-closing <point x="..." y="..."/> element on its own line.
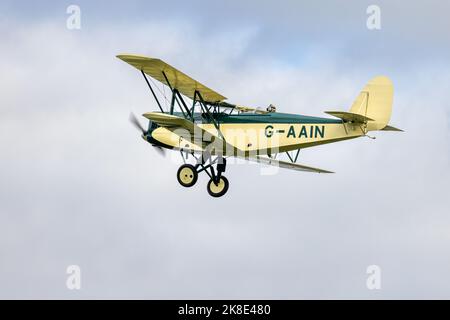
<point x="375" y="102"/>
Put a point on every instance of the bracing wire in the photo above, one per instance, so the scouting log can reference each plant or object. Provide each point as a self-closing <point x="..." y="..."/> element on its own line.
<point x="162" y="93"/>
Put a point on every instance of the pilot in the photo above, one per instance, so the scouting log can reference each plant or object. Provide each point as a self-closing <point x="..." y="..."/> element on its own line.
<point x="271" y="108"/>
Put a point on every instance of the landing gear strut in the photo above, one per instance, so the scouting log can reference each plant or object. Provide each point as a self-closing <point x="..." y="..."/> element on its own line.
<point x="218" y="184"/>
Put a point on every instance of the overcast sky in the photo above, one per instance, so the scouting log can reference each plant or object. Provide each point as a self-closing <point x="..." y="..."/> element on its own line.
<point x="79" y="186"/>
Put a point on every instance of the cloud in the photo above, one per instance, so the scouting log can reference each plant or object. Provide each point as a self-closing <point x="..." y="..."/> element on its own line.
<point x="79" y="186"/>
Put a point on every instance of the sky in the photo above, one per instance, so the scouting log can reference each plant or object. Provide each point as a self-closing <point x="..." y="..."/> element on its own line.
<point x="79" y="186"/>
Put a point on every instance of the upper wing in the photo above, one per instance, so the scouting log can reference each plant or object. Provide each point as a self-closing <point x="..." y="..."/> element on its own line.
<point x="286" y="165"/>
<point x="157" y="68"/>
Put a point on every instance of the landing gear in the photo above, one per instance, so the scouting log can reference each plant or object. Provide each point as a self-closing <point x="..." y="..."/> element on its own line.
<point x="218" y="189"/>
<point x="187" y="175"/>
<point x="217" y="186"/>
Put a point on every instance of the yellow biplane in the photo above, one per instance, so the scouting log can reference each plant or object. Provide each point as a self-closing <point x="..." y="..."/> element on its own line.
<point x="210" y="130"/>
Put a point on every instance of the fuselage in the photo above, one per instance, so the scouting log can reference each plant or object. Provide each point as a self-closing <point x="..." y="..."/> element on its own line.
<point x="256" y="133"/>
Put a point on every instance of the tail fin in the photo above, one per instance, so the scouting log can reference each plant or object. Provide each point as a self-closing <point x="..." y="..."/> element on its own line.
<point x="375" y="102"/>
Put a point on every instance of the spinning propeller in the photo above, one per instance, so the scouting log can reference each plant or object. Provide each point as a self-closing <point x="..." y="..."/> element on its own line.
<point x="135" y="122"/>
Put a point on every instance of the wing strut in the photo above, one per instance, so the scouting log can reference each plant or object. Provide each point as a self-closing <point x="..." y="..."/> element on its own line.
<point x="205" y="108"/>
<point x="153" y="92"/>
<point x="293" y="160"/>
<point x="176" y="93"/>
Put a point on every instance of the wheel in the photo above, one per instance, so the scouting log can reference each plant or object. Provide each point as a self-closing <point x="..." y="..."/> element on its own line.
<point x="187" y="175"/>
<point x="220" y="189"/>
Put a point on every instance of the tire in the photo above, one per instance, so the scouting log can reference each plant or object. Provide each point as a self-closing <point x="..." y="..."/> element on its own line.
<point x="219" y="190"/>
<point x="187" y="175"/>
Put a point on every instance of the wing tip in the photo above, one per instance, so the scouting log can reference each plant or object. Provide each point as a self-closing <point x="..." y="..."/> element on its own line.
<point x="130" y="56"/>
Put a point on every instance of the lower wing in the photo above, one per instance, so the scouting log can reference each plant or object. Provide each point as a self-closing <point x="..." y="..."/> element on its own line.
<point x="286" y="165"/>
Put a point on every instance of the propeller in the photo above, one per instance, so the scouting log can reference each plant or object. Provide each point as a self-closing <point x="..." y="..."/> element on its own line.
<point x="160" y="150"/>
<point x="135" y="122"/>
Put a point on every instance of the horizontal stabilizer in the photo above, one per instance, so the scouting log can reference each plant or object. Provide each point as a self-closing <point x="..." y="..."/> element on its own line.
<point x="286" y="165"/>
<point x="391" y="128"/>
<point x="349" y="116"/>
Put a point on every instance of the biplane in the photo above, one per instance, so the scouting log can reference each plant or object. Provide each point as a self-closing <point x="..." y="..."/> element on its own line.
<point x="206" y="130"/>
